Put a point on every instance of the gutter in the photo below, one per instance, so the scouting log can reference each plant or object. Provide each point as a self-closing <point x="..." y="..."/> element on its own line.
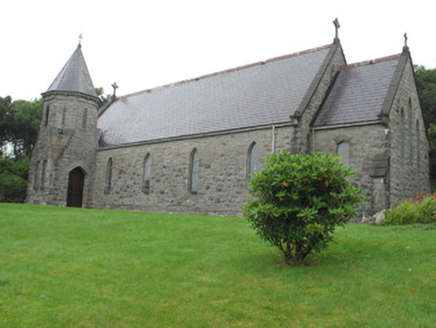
<point x="346" y="125"/>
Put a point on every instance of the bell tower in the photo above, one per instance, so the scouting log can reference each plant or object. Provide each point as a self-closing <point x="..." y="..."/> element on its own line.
<point x="63" y="161"/>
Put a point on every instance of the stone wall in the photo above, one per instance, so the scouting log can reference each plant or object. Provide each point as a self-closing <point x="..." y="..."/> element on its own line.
<point x="409" y="163"/>
<point x="222" y="184"/>
<point x="365" y="142"/>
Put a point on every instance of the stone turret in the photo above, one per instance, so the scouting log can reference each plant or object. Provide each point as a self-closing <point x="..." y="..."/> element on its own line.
<point x="63" y="162"/>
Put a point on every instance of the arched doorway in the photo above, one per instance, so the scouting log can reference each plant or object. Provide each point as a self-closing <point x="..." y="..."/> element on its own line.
<point x="76" y="182"/>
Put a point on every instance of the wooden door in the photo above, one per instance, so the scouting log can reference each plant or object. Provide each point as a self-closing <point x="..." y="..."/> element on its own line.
<point x="76" y="182"/>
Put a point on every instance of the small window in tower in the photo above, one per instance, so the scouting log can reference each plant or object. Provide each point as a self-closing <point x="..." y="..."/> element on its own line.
<point x="64" y="114"/>
<point x="146" y="175"/>
<point x="194" y="169"/>
<point x="108" y="175"/>
<point x="85" y="118"/>
<point x="47" y="114"/>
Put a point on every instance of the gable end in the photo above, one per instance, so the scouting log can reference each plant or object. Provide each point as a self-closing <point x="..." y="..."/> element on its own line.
<point x="317" y="80"/>
<point x="393" y="87"/>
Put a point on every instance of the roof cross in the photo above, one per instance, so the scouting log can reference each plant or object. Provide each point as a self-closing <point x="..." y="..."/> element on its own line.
<point x="337" y="26"/>
<point x="80" y="39"/>
<point x="115" y="86"/>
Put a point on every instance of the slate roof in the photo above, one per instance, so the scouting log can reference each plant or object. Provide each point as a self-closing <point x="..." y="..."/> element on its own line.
<point x="74" y="76"/>
<point x="264" y="93"/>
<point x="359" y="92"/>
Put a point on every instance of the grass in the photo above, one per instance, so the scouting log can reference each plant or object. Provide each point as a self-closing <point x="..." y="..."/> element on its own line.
<point x="62" y="267"/>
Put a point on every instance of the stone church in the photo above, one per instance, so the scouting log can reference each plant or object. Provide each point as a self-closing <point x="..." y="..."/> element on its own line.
<point x="191" y="147"/>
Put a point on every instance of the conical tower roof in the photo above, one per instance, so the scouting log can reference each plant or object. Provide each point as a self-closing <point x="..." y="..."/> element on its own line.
<point x="74" y="77"/>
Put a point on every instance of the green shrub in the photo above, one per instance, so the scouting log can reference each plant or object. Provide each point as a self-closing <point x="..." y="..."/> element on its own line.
<point x="13" y="180"/>
<point x="299" y="200"/>
<point x="420" y="210"/>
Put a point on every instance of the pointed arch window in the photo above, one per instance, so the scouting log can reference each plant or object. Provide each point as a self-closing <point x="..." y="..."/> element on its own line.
<point x="194" y="169"/>
<point x="409" y="123"/>
<point x="47" y="114"/>
<point x="418" y="154"/>
<point x="402" y="137"/>
<point x="146" y="175"/>
<point x="344" y="152"/>
<point x="43" y="173"/>
<point x="64" y="114"/>
<point x="252" y="160"/>
<point x="108" y="175"/>
<point x="85" y="118"/>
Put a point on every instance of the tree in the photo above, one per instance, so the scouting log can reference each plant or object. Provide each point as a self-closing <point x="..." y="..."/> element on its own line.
<point x="19" y="125"/>
<point x="298" y="202"/>
<point x="105" y="99"/>
<point x="432" y="154"/>
<point x="13" y="180"/>
<point x="426" y="85"/>
<point x="5" y="109"/>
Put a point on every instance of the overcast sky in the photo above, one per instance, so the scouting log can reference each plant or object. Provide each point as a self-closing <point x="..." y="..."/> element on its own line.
<point x="145" y="44"/>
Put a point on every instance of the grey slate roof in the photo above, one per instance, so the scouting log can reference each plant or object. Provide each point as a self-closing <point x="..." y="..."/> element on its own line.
<point x="74" y="76"/>
<point x="260" y="94"/>
<point x="359" y="92"/>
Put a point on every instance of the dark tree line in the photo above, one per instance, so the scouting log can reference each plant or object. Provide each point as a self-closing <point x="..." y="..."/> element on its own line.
<point x="426" y="84"/>
<point x="19" y="126"/>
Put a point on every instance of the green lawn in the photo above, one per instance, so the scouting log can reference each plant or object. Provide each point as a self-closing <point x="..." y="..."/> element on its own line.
<point x="62" y="267"/>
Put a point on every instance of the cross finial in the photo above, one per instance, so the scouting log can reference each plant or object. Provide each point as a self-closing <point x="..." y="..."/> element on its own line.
<point x="115" y="86"/>
<point x="80" y="39"/>
<point x="337" y="26"/>
<point x="405" y="40"/>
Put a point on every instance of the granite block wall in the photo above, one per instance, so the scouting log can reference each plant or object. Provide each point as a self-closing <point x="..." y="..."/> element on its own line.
<point x="408" y="145"/>
<point x="365" y="142"/>
<point x="222" y="182"/>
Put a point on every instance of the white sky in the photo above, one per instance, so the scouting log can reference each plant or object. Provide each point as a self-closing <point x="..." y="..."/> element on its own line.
<point x="148" y="43"/>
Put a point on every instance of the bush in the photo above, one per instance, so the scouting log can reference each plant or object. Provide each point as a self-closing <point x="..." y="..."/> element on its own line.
<point x="420" y="210"/>
<point x="299" y="200"/>
<point x="13" y="180"/>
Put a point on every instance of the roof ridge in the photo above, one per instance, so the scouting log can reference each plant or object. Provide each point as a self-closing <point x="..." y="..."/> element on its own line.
<point x="235" y="69"/>
<point x="371" y="61"/>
